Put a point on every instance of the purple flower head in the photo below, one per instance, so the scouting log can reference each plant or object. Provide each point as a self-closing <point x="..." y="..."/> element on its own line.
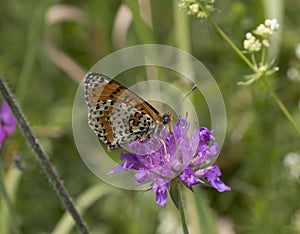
<point x="7" y="123"/>
<point x="174" y="155"/>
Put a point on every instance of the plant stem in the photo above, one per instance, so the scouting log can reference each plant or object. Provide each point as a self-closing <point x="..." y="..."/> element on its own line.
<point x="263" y="56"/>
<point x="8" y="202"/>
<point x="227" y="39"/>
<point x="282" y="107"/>
<point x="48" y="168"/>
<point x="232" y="45"/>
<point x="33" y="40"/>
<point x="181" y="30"/>
<point x="206" y="219"/>
<point x="252" y="67"/>
<point x="181" y="210"/>
<point x="253" y="60"/>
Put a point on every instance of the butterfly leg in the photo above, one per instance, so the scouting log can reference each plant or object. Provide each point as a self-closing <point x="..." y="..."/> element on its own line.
<point x="170" y="128"/>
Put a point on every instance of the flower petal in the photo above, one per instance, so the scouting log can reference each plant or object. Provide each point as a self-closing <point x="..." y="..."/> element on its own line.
<point x="7" y="122"/>
<point x="188" y="176"/>
<point x="161" y="192"/>
<point x="212" y="174"/>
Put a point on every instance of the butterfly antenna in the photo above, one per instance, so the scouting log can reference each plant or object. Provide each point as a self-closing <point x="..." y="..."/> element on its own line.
<point x="181" y="100"/>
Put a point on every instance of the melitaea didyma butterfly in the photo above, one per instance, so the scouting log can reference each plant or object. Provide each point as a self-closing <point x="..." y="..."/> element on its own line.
<point x="117" y="115"/>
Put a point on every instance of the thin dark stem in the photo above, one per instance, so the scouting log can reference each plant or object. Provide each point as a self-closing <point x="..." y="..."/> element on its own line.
<point x="48" y="168"/>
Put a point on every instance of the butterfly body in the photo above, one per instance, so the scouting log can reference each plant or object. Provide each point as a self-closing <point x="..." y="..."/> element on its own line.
<point x="117" y="115"/>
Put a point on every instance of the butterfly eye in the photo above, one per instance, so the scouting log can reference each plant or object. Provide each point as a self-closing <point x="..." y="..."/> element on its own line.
<point x="166" y="118"/>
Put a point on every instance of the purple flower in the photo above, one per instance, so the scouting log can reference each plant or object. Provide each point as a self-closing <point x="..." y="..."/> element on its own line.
<point x="160" y="188"/>
<point x="7" y="123"/>
<point x="159" y="160"/>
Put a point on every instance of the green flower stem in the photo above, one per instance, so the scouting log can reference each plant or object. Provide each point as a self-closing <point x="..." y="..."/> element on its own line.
<point x="282" y="107"/>
<point x="232" y="45"/>
<point x="181" y="210"/>
<point x="263" y="56"/>
<point x="252" y="67"/>
<point x="253" y="59"/>
<point x="227" y="39"/>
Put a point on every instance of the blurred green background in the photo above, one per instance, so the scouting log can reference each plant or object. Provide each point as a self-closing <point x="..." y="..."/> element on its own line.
<point x="46" y="48"/>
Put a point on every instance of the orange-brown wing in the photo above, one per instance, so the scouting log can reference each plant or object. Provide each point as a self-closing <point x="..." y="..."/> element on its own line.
<point x="101" y="87"/>
<point x="116" y="114"/>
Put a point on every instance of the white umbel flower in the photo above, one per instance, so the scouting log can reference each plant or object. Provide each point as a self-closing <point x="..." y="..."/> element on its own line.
<point x="272" y="24"/>
<point x="252" y="43"/>
<point x="194" y="8"/>
<point x="268" y="28"/>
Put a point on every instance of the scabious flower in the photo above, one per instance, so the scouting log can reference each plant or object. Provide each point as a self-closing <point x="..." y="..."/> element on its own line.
<point x="7" y="123"/>
<point x="174" y="155"/>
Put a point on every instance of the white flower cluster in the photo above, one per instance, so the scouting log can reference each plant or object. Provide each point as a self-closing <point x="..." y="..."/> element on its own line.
<point x="268" y="28"/>
<point x="258" y="40"/>
<point x="292" y="163"/>
<point x="262" y="34"/>
<point x="252" y="43"/>
<point x="192" y="7"/>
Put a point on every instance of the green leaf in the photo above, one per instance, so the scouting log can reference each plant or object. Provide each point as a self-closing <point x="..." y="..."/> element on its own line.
<point x="206" y="218"/>
<point x="174" y="193"/>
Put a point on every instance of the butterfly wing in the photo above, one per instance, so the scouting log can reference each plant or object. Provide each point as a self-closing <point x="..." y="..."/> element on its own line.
<point x="116" y="114"/>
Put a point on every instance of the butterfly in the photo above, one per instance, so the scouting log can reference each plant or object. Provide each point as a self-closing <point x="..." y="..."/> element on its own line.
<point x="117" y="115"/>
